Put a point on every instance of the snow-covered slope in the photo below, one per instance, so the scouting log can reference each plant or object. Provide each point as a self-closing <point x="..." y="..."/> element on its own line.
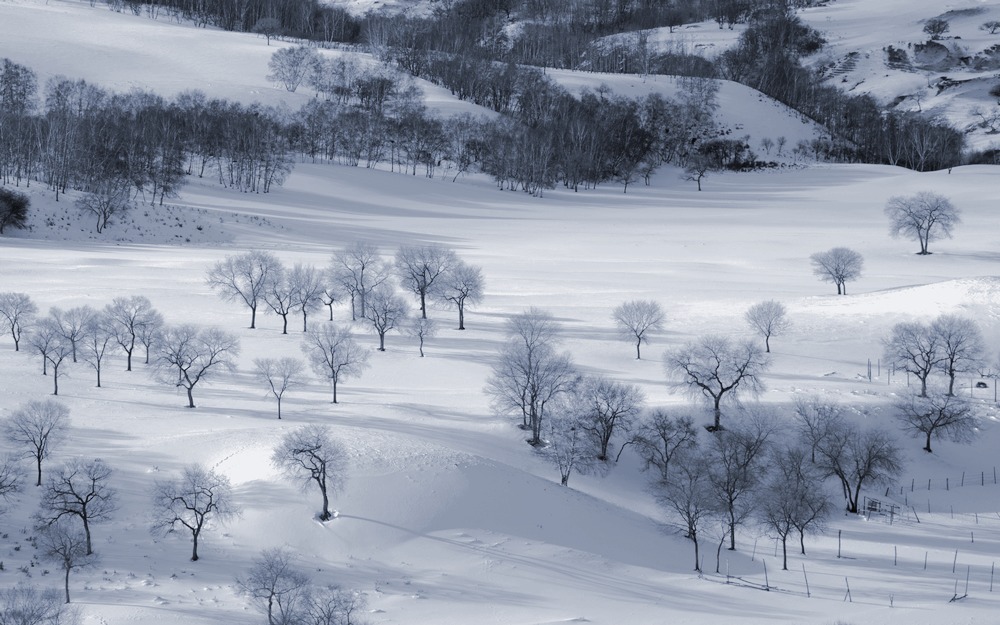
<point x="881" y="48"/>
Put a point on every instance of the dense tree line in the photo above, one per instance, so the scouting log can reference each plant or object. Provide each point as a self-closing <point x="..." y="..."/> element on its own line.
<point x="121" y="148"/>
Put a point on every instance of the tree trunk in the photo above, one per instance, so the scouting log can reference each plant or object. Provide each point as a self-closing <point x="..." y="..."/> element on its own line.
<point x="927" y="447"/>
<point x="565" y="479"/>
<point x="638" y="356"/>
<point x="304" y="328"/>
<point x="253" y="317"/>
<point x="190" y="391"/>
<point x="67" y="583"/>
<point x="334" y="380"/>
<point x="325" y="515"/>
<point x="284" y="323"/>
<point x="381" y="341"/>
<point x="98" y="376"/>
<point x="194" y="547"/>
<point x="461" y="316"/>
<point x="86" y="532"/>
<point x="55" y="380"/>
<point x="279" y="406"/>
<point x="784" y="552"/>
<point x="718" y="413"/>
<point x="951" y="385"/>
<point x="697" y="559"/>
<point x="767" y="343"/>
<point x="852" y="503"/>
<point x="38" y="463"/>
<point x="802" y="541"/>
<point x="128" y="359"/>
<point x="423" y="304"/>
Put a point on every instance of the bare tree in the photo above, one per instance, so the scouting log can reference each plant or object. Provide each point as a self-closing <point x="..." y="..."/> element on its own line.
<point x="815" y="419"/>
<point x="72" y="324"/>
<point x="290" y="66"/>
<point x="937" y="416"/>
<point x="568" y="446"/>
<point x="27" y="605"/>
<point x="105" y="204"/>
<point x="150" y="331"/>
<point x="66" y="546"/>
<point x="421" y="270"/>
<point x="98" y="341"/>
<point x="278" y="374"/>
<point x="275" y="586"/>
<point x="915" y="348"/>
<point x="858" y="457"/>
<point x="19" y="311"/>
<point x="462" y="285"/>
<point x="279" y="296"/>
<point x="80" y="489"/>
<point x="637" y="319"/>
<point x="334" y="606"/>
<point x="269" y="27"/>
<point x="736" y="459"/>
<point x="837" y="265"/>
<point x="660" y="437"/>
<point x="13" y="205"/>
<point x="40" y="426"/>
<point x="308" y="286"/>
<point x="334" y="355"/>
<point x="358" y="269"/>
<point x="129" y="315"/>
<point x="936" y="27"/>
<point x="46" y="338"/>
<point x="768" y="318"/>
<point x="962" y="346"/>
<point x="718" y="369"/>
<point x="793" y="498"/>
<point x="188" y="356"/>
<point x="11" y="479"/>
<point x="198" y="496"/>
<point x="385" y="311"/>
<point x="422" y="329"/>
<point x="528" y="373"/>
<point x="688" y="495"/>
<point x="606" y="408"/>
<point x="245" y="278"/>
<point x="310" y="455"/>
<point x="925" y="216"/>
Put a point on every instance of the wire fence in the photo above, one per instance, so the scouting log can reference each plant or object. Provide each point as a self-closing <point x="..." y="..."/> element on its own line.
<point x="967" y="478"/>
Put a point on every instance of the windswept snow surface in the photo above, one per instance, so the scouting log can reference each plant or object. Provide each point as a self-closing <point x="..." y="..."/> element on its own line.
<point x="448" y="517"/>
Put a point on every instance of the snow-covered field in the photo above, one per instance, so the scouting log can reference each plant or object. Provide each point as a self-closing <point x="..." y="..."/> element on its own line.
<point x="448" y="517"/>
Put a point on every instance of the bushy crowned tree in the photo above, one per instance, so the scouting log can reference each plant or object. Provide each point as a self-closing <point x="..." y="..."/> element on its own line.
<point x="13" y="209"/>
